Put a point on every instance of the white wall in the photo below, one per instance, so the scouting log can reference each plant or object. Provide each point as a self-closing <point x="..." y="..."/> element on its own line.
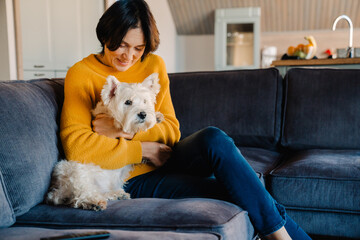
<point x="7" y="41"/>
<point x="166" y="26"/>
<point x="195" y="53"/>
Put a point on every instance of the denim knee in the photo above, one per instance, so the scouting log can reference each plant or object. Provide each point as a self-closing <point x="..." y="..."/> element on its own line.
<point x="213" y="136"/>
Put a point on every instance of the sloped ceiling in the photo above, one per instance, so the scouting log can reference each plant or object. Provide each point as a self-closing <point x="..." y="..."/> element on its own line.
<point x="196" y="17"/>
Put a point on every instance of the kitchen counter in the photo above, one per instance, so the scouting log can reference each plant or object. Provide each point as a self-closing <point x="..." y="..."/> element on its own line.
<point x="285" y="65"/>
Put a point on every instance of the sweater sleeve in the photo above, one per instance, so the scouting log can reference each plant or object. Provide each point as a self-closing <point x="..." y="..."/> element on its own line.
<point x="79" y="141"/>
<point x="167" y="131"/>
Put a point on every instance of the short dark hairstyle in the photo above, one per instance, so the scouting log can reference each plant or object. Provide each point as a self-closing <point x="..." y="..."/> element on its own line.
<point x="122" y="16"/>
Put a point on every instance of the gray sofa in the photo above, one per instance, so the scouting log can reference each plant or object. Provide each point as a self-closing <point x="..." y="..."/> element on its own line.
<point x="302" y="133"/>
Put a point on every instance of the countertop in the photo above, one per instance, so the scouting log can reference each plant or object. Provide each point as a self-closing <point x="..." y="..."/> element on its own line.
<point x="313" y="62"/>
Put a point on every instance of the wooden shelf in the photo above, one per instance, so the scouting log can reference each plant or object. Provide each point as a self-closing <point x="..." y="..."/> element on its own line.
<point x="314" y="62"/>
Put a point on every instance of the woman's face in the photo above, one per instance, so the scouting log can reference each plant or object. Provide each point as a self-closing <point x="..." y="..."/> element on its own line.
<point x="129" y="52"/>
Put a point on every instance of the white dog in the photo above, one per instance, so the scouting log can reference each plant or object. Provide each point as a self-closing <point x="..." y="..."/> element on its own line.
<point x="88" y="186"/>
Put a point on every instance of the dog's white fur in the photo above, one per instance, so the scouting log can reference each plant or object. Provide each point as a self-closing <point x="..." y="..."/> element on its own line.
<point x="88" y="186"/>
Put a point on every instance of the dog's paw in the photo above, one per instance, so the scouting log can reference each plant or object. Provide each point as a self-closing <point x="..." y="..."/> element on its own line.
<point x="96" y="206"/>
<point x="124" y="196"/>
<point x="159" y="117"/>
<point x="100" y="206"/>
<point x="117" y="195"/>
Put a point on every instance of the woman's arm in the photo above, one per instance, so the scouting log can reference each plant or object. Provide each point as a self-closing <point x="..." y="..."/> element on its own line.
<point x="167" y="131"/>
<point x="87" y="141"/>
<point x="79" y="141"/>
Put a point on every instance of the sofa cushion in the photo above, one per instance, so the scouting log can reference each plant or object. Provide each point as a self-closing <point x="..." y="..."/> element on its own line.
<point x="16" y="233"/>
<point x="181" y="215"/>
<point x="322" y="109"/>
<point x="327" y="180"/>
<point x="29" y="117"/>
<point x="7" y="217"/>
<point x="329" y="225"/>
<point x="246" y="104"/>
<point x="261" y="160"/>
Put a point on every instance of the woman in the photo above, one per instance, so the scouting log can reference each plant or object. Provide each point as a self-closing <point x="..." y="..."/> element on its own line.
<point x="173" y="169"/>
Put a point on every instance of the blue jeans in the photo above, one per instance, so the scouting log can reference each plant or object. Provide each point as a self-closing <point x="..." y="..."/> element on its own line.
<point x="207" y="164"/>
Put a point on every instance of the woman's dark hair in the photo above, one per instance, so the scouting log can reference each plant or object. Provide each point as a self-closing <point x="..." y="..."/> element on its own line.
<point x="122" y="16"/>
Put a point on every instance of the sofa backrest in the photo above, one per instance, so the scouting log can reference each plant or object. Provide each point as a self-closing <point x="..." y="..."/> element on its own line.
<point x="7" y="216"/>
<point x="322" y="109"/>
<point x="29" y="143"/>
<point x="246" y="104"/>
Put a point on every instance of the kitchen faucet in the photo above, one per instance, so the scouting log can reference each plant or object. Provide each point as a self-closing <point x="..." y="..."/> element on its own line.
<point x="350" y="49"/>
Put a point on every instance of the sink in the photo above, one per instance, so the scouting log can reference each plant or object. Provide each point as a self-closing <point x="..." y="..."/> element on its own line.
<point x="350" y="50"/>
<point x="342" y="53"/>
<point x="357" y="52"/>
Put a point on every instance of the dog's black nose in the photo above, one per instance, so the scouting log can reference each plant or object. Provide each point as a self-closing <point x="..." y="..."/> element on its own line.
<point x="142" y="115"/>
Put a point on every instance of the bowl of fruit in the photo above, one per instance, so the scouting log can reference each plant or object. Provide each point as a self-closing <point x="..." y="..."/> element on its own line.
<point x="302" y="51"/>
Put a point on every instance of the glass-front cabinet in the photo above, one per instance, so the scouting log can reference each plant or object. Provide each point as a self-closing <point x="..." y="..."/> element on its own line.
<point x="237" y="38"/>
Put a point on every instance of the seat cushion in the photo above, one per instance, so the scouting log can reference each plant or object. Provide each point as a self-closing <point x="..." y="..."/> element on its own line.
<point x="261" y="160"/>
<point x="181" y="215"/>
<point x="246" y="104"/>
<point x="327" y="180"/>
<point x="7" y="217"/>
<point x="16" y="233"/>
<point x="335" y="225"/>
<point x="322" y="109"/>
<point x="29" y="117"/>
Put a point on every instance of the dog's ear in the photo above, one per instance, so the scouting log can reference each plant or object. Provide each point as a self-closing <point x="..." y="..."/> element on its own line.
<point x="109" y="89"/>
<point x="152" y="82"/>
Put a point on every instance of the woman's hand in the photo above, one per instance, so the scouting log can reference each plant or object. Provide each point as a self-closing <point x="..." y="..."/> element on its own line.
<point x="156" y="153"/>
<point x="104" y="125"/>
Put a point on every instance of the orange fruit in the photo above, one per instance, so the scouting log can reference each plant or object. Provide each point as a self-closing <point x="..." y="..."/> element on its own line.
<point x="301" y="47"/>
<point x="291" y="51"/>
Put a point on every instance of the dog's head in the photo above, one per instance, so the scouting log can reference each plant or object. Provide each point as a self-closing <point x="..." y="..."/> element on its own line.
<point x="132" y="105"/>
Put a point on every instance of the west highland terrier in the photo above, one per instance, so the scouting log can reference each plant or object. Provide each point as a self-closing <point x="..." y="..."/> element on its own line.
<point x="88" y="186"/>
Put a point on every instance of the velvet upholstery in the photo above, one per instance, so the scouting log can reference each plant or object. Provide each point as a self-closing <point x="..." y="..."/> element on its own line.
<point x="181" y="215"/>
<point x="322" y="109"/>
<point x="323" y="177"/>
<point x="328" y="223"/>
<point x="261" y="160"/>
<point x="7" y="217"/>
<point x="245" y="104"/>
<point x="29" y="141"/>
<point x="18" y="233"/>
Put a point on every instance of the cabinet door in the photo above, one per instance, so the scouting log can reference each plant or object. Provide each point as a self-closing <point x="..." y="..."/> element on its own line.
<point x="60" y="74"/>
<point x="58" y="33"/>
<point x="74" y="36"/>
<point x="36" y="34"/>
<point x="237" y="38"/>
<point x="28" y="75"/>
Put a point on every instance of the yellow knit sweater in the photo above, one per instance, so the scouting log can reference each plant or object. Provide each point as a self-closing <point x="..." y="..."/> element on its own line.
<point x="83" y="84"/>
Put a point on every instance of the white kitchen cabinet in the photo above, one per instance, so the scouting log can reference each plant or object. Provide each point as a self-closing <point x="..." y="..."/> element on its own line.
<point x="56" y="34"/>
<point x="237" y="38"/>
<point x="29" y="74"/>
<point x="60" y="74"/>
<point x="36" y="35"/>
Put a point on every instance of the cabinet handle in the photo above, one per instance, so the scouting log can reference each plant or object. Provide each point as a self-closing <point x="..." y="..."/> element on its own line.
<point x="39" y="74"/>
<point x="39" y="66"/>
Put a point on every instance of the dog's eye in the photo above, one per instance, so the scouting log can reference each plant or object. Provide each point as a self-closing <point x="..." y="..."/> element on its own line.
<point x="128" y="102"/>
<point x="144" y="101"/>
